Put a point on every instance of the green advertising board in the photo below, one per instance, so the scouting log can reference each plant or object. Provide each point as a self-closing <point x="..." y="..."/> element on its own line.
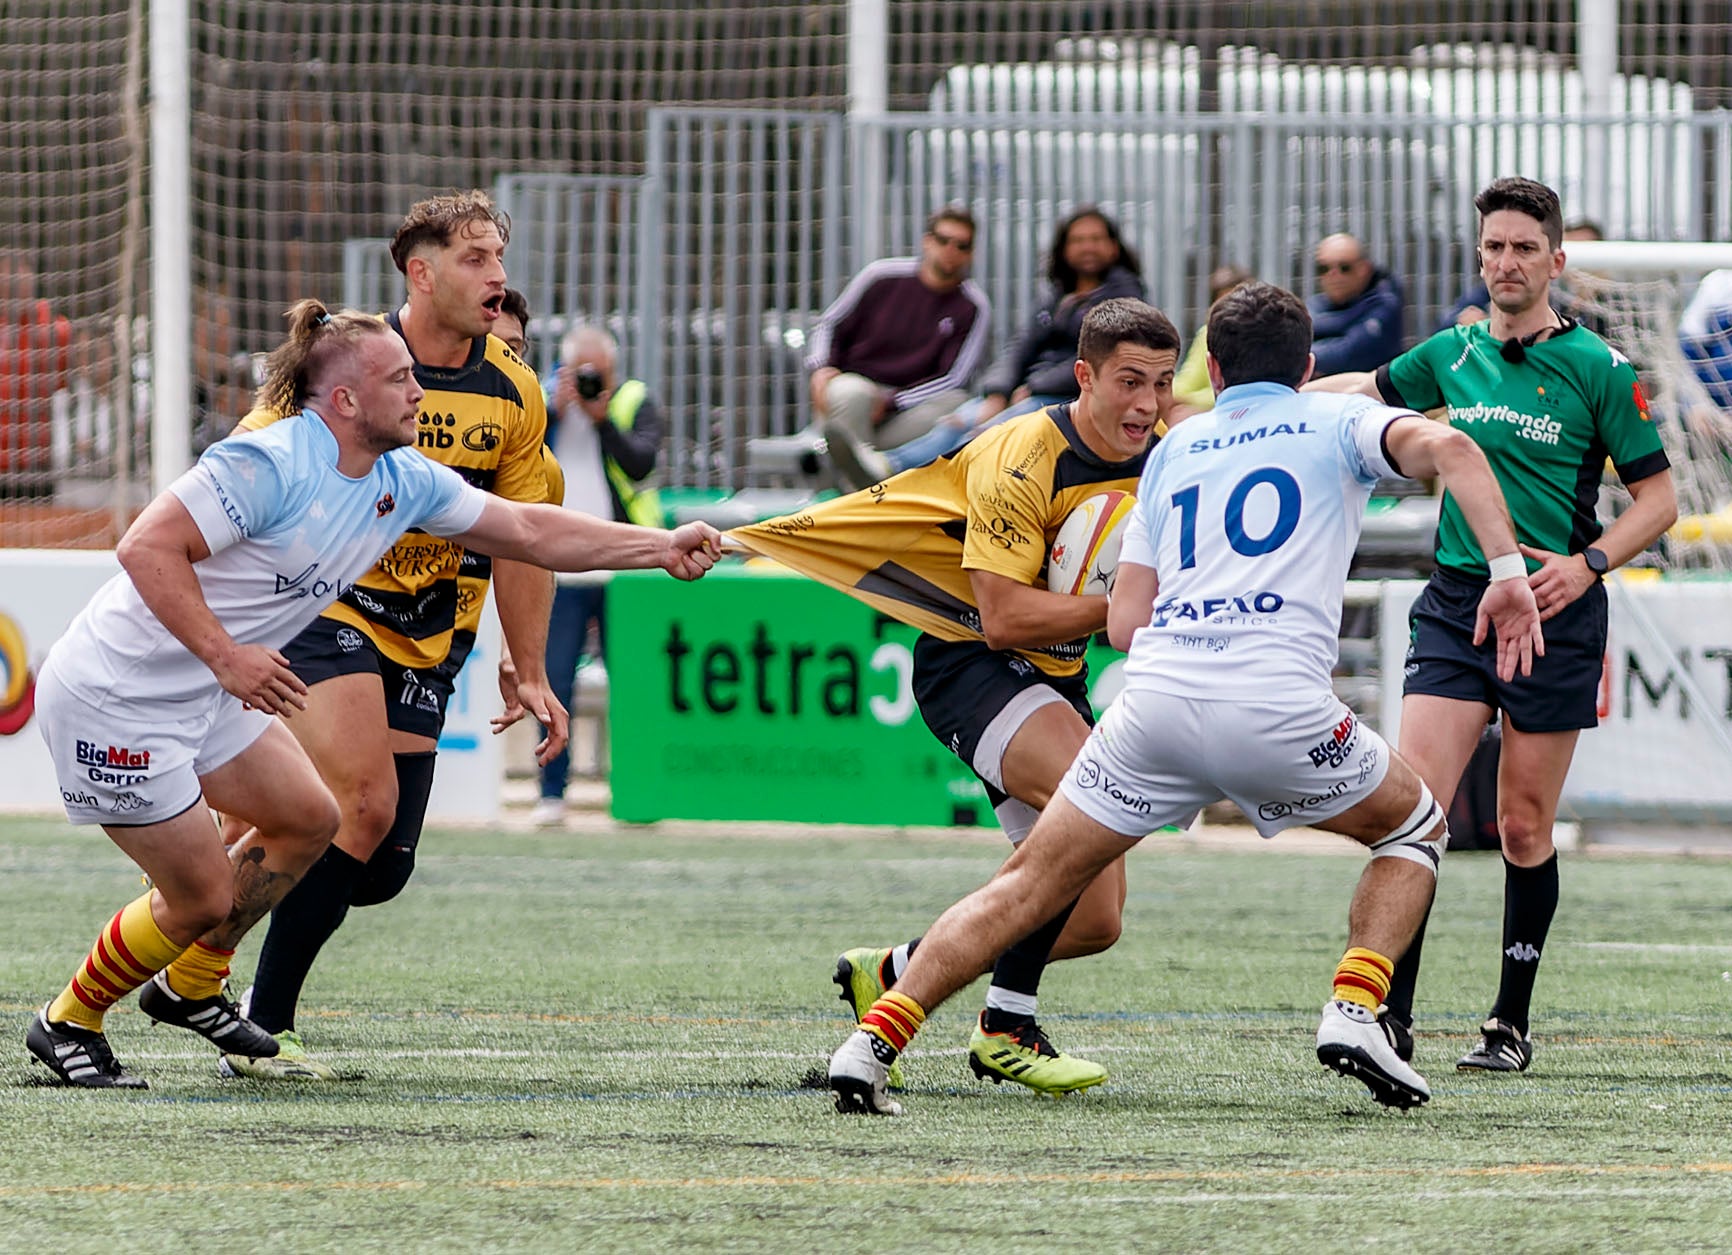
<point x="756" y="694"/>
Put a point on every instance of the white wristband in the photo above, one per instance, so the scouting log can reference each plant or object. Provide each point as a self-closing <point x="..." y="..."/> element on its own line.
<point x="1508" y="566"/>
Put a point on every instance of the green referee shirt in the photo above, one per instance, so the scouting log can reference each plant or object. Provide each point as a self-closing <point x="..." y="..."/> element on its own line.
<point x="1546" y="424"/>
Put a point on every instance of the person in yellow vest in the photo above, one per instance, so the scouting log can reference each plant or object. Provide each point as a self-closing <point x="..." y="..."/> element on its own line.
<point x="606" y="433"/>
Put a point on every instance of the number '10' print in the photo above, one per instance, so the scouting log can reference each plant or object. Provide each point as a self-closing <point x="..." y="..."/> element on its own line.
<point x="1188" y="503"/>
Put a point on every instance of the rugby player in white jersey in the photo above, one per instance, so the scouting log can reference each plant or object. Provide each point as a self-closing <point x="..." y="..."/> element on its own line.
<point x="160" y="700"/>
<point x="1229" y="602"/>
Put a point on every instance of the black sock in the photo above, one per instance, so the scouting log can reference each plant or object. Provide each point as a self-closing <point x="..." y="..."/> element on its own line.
<point x="1405" y="979"/>
<point x="1530" y="899"/>
<point x="302" y="922"/>
<point x="1019" y="969"/>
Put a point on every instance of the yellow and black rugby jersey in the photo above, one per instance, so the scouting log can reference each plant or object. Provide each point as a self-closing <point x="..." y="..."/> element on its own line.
<point x="905" y="546"/>
<point x="486" y="420"/>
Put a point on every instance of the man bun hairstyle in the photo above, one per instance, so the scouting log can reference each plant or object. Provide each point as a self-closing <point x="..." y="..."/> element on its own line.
<point x="438" y="220"/>
<point x="1259" y="333"/>
<point x="1526" y="196"/>
<point x="1124" y="320"/>
<point x="318" y="340"/>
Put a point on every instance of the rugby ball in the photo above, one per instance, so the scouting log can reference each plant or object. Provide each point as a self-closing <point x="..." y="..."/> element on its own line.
<point x="1085" y="554"/>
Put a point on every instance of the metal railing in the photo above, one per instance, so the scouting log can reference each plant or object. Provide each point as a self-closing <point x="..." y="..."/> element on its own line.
<point x="753" y="221"/>
<point x="713" y="266"/>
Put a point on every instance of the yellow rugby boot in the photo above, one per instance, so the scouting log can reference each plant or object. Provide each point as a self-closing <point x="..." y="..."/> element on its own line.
<point x="1025" y="1055"/>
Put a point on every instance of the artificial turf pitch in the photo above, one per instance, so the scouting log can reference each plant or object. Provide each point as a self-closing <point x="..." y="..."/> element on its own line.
<point x="604" y="1040"/>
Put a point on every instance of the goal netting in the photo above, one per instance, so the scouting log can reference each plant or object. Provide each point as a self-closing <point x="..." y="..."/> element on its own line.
<point x="71" y="223"/>
<point x="1663" y="754"/>
<point x="1668" y="307"/>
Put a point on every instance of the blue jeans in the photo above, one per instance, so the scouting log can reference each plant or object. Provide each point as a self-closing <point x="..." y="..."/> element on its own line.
<point x="957" y="430"/>
<point x="575" y="606"/>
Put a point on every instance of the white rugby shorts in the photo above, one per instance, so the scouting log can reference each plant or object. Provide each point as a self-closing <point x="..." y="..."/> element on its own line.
<point x="1156" y="759"/>
<point x="139" y="763"/>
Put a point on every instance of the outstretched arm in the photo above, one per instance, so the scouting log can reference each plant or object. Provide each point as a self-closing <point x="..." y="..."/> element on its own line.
<point x="1354" y="383"/>
<point x="566" y="540"/>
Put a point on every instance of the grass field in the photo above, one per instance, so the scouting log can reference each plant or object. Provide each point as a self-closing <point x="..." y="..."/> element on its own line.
<point x="598" y="1041"/>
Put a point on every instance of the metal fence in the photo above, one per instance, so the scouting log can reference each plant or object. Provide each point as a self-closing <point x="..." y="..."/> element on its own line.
<point x="752" y="221"/>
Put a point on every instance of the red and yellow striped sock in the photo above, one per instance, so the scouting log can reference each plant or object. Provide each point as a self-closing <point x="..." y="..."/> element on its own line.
<point x="894" y="1019"/>
<point x="199" y="972"/>
<point x="1363" y="977"/>
<point x="127" y="953"/>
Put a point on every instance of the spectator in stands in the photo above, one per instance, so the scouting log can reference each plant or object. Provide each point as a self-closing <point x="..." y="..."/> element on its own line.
<point x="896" y="350"/>
<point x="1473" y="303"/>
<point x="1192" y="393"/>
<point x="1086" y="263"/>
<point x="1356" y="312"/>
<point x="606" y="433"/>
<point x="35" y="358"/>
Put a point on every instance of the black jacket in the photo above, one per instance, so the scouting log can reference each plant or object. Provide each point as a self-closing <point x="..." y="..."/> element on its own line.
<point x="1043" y="355"/>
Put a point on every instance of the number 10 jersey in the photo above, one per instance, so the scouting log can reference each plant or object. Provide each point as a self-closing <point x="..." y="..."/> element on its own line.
<point x="1249" y="514"/>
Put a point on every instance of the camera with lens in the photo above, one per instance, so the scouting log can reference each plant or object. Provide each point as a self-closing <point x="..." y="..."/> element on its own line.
<point x="589" y="383"/>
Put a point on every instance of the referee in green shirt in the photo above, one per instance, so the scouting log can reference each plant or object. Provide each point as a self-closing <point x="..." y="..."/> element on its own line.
<point x="1549" y="402"/>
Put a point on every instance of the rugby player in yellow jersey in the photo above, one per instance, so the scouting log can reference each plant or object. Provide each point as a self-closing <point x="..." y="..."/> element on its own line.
<point x="958" y="549"/>
<point x="381" y="662"/>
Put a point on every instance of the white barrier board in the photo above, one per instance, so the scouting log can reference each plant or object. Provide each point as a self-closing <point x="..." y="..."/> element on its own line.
<point x="42" y="589"/>
<point x="1656" y="750"/>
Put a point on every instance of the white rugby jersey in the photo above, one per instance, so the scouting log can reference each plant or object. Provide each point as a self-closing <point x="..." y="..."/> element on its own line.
<point x="1249" y="514"/>
<point x="287" y="532"/>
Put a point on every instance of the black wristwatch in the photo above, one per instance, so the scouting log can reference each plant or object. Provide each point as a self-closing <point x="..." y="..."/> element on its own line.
<point x="1596" y="560"/>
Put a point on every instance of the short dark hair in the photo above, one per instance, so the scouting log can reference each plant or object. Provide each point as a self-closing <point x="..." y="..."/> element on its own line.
<point x="516" y="305"/>
<point x="1060" y="271"/>
<point x="437" y="220"/>
<point x="1259" y="333"/>
<point x="1124" y="320"/>
<point x="952" y="213"/>
<point x="1525" y="196"/>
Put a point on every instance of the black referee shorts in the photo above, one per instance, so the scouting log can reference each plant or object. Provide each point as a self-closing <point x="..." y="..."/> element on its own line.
<point x="1561" y="695"/>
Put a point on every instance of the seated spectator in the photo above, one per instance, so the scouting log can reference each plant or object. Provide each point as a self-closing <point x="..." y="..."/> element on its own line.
<point x="1087" y="263"/>
<point x="1192" y="393"/>
<point x="896" y="350"/>
<point x="1475" y="304"/>
<point x="1356" y="312"/>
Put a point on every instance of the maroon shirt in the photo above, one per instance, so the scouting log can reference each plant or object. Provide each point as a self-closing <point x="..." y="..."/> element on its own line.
<point x="893" y="329"/>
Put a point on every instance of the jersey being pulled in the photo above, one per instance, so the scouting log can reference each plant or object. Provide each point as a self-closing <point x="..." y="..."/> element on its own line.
<point x="287" y="533"/>
<point x="905" y="546"/>
<point x="1547" y="425"/>
<point x="486" y="420"/>
<point x="1249" y="514"/>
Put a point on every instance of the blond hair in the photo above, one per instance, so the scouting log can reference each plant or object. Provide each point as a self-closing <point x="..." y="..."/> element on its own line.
<point x="318" y="341"/>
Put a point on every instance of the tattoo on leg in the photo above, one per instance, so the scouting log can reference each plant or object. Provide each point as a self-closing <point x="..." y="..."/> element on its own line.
<point x="257" y="890"/>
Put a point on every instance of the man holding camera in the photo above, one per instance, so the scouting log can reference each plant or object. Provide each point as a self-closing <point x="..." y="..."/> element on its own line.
<point x="607" y="435"/>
